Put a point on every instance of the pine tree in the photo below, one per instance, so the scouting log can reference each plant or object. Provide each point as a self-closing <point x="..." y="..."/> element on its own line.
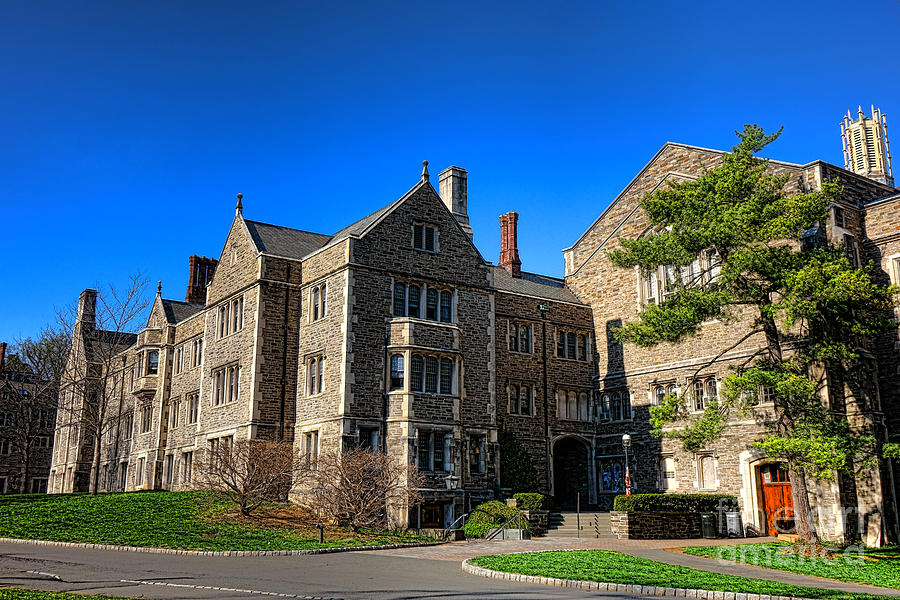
<point x="800" y="297"/>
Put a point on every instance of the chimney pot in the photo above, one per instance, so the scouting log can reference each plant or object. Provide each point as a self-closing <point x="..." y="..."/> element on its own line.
<point x="509" y="244"/>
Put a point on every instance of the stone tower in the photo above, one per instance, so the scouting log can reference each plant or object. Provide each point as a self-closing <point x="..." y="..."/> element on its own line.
<point x="866" y="148"/>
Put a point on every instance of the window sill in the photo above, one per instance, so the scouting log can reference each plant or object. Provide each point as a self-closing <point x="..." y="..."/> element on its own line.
<point x="223" y="404"/>
<point x="519" y="352"/>
<point x="228" y="335"/>
<point x="519" y="414"/>
<point x="427" y="321"/>
<point x="580" y="360"/>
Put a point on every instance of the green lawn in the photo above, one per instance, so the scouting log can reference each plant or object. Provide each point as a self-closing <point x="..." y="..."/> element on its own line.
<point x="17" y="594"/>
<point x="185" y="520"/>
<point x="877" y="566"/>
<point x="614" y="567"/>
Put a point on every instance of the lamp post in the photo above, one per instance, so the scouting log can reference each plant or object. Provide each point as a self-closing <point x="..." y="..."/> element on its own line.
<point x="626" y="443"/>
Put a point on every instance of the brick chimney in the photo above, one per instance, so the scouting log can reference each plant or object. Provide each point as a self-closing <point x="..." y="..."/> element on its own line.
<point x="452" y="187"/>
<point x="509" y="245"/>
<point x="200" y="276"/>
<point x="2" y="355"/>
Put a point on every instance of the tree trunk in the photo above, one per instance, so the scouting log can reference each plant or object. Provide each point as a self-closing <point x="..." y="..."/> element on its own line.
<point x="95" y="467"/>
<point x="803" y="521"/>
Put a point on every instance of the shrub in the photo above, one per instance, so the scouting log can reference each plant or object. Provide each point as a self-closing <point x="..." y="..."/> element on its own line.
<point x="694" y="503"/>
<point x="529" y="501"/>
<point x="488" y="516"/>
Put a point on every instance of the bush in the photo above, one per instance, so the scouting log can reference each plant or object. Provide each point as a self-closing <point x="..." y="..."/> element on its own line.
<point x="488" y="516"/>
<point x="692" y="503"/>
<point x="529" y="501"/>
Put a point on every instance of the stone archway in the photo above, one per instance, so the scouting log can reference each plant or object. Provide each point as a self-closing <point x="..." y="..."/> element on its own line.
<point x="571" y="472"/>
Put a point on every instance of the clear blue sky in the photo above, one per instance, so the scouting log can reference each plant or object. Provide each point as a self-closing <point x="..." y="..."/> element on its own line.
<point x="128" y="127"/>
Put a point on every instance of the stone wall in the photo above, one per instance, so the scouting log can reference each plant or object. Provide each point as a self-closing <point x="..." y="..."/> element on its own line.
<point x="654" y="525"/>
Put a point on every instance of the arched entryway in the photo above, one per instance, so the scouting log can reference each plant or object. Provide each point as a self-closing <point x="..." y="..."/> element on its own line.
<point x="571" y="472"/>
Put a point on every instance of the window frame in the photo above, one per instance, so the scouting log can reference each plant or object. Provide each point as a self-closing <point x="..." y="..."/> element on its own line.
<point x="424" y="233"/>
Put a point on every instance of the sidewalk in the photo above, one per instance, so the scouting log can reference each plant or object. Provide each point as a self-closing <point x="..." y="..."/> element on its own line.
<point x="649" y="549"/>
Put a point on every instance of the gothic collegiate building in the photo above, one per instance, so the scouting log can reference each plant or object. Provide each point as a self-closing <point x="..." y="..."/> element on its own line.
<point x="394" y="333"/>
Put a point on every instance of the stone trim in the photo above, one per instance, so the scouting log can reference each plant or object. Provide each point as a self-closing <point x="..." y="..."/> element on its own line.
<point x="235" y="553"/>
<point x="647" y="590"/>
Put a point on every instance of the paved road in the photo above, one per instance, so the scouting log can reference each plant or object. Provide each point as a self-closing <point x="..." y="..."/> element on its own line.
<point x="396" y="574"/>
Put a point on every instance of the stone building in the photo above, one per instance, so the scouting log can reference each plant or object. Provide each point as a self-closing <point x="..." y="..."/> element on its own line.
<point x="384" y="335"/>
<point x="865" y="221"/>
<point x="395" y="334"/>
<point x="27" y="418"/>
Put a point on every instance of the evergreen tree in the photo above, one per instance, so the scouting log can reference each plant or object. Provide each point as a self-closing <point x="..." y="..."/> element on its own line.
<point x="770" y="270"/>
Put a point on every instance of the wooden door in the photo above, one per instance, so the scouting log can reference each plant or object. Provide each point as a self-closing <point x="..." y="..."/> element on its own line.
<point x="777" y="500"/>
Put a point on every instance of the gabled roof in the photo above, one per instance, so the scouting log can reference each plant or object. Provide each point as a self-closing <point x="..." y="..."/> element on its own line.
<point x="284" y="241"/>
<point x="177" y="311"/>
<point x="532" y="284"/>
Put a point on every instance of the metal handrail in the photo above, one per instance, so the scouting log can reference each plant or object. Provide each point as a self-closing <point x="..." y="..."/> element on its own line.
<point x="453" y="527"/>
<point x="500" y="530"/>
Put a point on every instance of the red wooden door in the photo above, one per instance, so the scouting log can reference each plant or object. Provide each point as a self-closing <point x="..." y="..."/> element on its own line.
<point x="777" y="499"/>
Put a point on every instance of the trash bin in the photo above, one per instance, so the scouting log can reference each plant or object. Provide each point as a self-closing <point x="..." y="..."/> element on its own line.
<point x="708" y="525"/>
<point x="733" y="526"/>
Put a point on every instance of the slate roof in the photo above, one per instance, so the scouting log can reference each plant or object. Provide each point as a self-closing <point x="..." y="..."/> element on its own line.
<point x="285" y="241"/>
<point x="532" y="284"/>
<point x="177" y="312"/>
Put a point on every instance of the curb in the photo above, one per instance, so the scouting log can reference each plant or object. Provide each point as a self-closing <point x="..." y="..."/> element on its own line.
<point x="596" y="586"/>
<point x="234" y="553"/>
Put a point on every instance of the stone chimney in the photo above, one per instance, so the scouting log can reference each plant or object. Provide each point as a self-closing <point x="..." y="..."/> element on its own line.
<point x="452" y="188"/>
<point x="509" y="244"/>
<point x="200" y="276"/>
<point x="2" y="355"/>
<point x="87" y="310"/>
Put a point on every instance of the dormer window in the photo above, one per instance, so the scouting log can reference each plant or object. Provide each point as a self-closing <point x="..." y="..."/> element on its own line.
<point x="425" y="237"/>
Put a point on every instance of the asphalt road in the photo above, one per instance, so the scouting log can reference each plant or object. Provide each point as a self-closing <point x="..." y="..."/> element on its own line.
<point x="349" y="575"/>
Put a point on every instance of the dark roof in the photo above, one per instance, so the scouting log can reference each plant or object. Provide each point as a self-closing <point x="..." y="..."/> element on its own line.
<point x="532" y="284"/>
<point x="284" y="241"/>
<point x="360" y="226"/>
<point x="115" y="338"/>
<point x="179" y="311"/>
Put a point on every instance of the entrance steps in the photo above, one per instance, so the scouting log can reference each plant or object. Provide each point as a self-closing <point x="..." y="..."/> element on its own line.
<point x="593" y="525"/>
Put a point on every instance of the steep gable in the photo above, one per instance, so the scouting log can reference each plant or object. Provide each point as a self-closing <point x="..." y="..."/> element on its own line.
<point x="238" y="264"/>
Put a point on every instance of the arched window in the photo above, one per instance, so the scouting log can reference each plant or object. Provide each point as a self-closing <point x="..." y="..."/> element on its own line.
<point x="397" y="372"/>
<point x="604" y="407"/>
<point x="583" y="408"/>
<point x="446" y="307"/>
<point x="417" y="373"/>
<point x="315" y="304"/>
<point x="313" y="378"/>
<point x="399" y="300"/>
<point x="659" y="395"/>
<point x="711" y="392"/>
<point x="699" y="403"/>
<point x="572" y="406"/>
<point x="616" y="407"/>
<point x="626" y="405"/>
<point x="324" y="295"/>
<point x="431" y="305"/>
<point x="561" y="404"/>
<point x="431" y="374"/>
<point x="415" y="294"/>
<point x="582" y="347"/>
<point x="446" y="376"/>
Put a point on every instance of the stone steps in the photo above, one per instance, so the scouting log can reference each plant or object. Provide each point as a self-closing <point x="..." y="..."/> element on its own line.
<point x="593" y="525"/>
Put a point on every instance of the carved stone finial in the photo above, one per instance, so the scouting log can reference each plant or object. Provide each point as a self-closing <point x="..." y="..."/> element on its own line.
<point x="425" y="174"/>
<point x="239" y="209"/>
<point x="159" y="288"/>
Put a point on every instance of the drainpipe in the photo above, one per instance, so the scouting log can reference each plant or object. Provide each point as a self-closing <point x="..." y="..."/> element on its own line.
<point x="385" y="405"/>
<point x="544" y="308"/>
<point x="284" y="347"/>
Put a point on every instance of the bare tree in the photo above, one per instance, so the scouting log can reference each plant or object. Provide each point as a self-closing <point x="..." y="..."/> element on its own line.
<point x="102" y="329"/>
<point x="30" y="394"/>
<point x="250" y="472"/>
<point x="359" y="488"/>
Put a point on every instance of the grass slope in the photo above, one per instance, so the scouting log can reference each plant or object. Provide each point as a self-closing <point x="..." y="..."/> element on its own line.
<point x="614" y="567"/>
<point x="878" y="566"/>
<point x="184" y="520"/>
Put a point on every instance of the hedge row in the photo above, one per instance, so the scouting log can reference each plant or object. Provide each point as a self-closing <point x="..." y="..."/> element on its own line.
<point x="529" y="501"/>
<point x="693" y="503"/>
<point x="487" y="516"/>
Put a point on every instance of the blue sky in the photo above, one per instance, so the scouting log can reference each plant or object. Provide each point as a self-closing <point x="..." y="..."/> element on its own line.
<point x="128" y="127"/>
